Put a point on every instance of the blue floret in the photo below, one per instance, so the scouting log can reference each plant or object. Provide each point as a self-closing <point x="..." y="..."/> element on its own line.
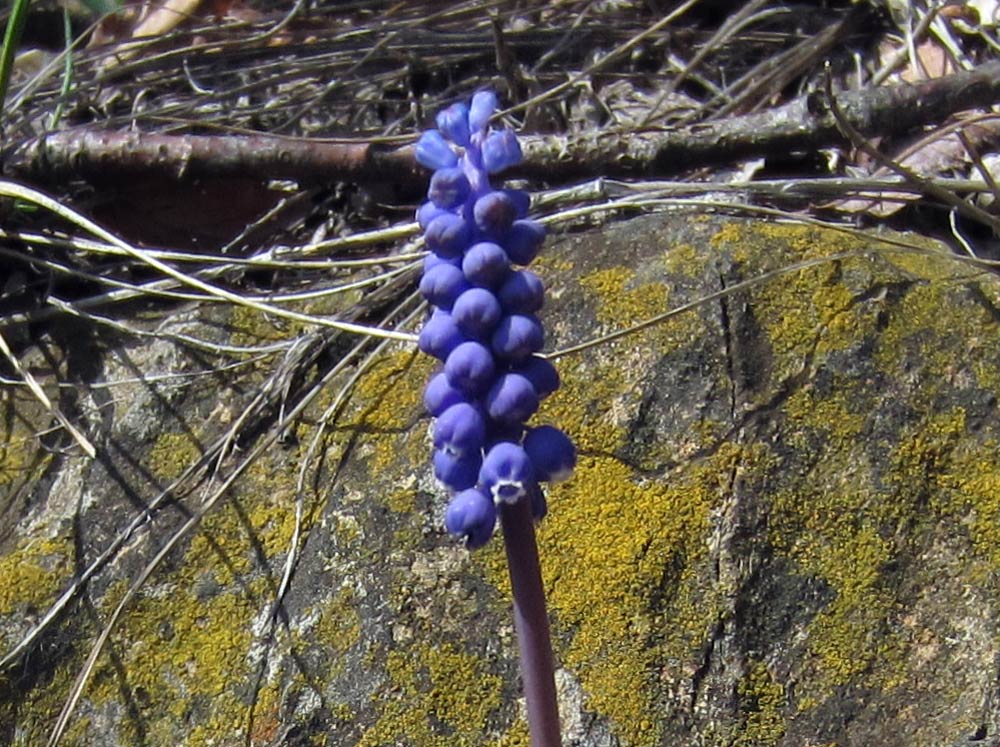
<point x="507" y="472"/>
<point x="460" y="430"/>
<point x="472" y="515"/>
<point x="434" y="152"/>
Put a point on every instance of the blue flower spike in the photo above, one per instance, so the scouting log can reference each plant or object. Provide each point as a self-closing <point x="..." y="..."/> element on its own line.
<point x="483" y="326"/>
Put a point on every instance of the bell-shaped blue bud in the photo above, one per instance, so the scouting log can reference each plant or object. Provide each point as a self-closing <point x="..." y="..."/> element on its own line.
<point x="541" y="373"/>
<point x="552" y="454"/>
<point x="512" y="399"/>
<point x="470" y="368"/>
<point x="485" y="264"/>
<point x="460" y="430"/>
<point x="454" y="123"/>
<point x="494" y="213"/>
<point x="439" y="394"/>
<point x="522" y="292"/>
<point x="477" y="312"/>
<point x="427" y="212"/>
<point x="440" y="335"/>
<point x="521" y="200"/>
<point x="434" y="152"/>
<point x="523" y="241"/>
<point x="449" y="188"/>
<point x="506" y="472"/>
<point x="457" y="473"/>
<point x="448" y="234"/>
<point x="432" y="260"/>
<point x="483" y="105"/>
<point x="501" y="151"/>
<point x="516" y="337"/>
<point x="442" y="284"/>
<point x="473" y="515"/>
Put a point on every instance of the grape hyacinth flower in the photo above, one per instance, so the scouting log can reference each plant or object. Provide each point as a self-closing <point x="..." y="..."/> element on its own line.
<point x="484" y="330"/>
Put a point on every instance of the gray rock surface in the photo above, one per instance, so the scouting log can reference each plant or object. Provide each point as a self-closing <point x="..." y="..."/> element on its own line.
<point x="783" y="529"/>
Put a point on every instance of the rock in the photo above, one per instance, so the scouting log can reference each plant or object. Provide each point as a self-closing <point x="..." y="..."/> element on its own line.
<point x="782" y="530"/>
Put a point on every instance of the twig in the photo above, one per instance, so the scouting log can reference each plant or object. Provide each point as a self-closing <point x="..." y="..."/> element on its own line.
<point x="804" y="123"/>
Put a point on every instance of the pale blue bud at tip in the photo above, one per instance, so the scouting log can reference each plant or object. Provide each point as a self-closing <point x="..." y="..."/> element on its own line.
<point x="485" y="264"/>
<point x="477" y="312"/>
<point x="511" y="399"/>
<point x="434" y="152"/>
<point x="483" y="106"/>
<point x="460" y="430"/>
<point x="501" y="151"/>
<point x="473" y="515"/>
<point x="506" y="472"/>
<point x="454" y="123"/>
<point x="551" y="452"/>
<point x="439" y="394"/>
<point x="470" y="368"/>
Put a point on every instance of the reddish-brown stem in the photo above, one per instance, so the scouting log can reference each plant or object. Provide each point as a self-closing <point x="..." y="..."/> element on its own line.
<point x="531" y="622"/>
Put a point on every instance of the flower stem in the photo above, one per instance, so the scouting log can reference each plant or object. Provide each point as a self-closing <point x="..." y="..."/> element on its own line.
<point x="531" y="623"/>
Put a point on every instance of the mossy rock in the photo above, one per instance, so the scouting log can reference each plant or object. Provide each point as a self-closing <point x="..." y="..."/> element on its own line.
<point x="782" y="530"/>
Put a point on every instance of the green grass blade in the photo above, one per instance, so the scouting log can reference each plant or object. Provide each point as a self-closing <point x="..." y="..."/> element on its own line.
<point x="11" y="41"/>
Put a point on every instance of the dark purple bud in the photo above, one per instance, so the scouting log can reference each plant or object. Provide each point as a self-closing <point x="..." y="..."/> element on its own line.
<point x="442" y="284"/>
<point x="511" y="399"/>
<point x="470" y="368"/>
<point x="473" y="515"/>
<point x="477" y="312"/>
<point x="439" y="394"/>
<point x="541" y="373"/>
<point x="523" y="241"/>
<point x="521" y="200"/>
<point x="484" y="104"/>
<point x="501" y="151"/>
<point x="454" y="123"/>
<point x="539" y="506"/>
<point x="449" y="188"/>
<point x="427" y="212"/>
<point x="448" y="234"/>
<point x="485" y="264"/>
<point x="457" y="473"/>
<point x="506" y="472"/>
<point x="552" y="454"/>
<point x="497" y="432"/>
<point x="517" y="336"/>
<point x="521" y="293"/>
<point x="460" y="430"/>
<point x="434" y="152"/>
<point x="494" y="213"/>
<point x="440" y="335"/>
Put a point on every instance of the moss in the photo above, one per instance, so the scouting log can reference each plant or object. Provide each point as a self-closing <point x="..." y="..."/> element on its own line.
<point x="172" y="454"/>
<point x="620" y="303"/>
<point x="22" y="458"/>
<point x="440" y="696"/>
<point x="761" y="702"/>
<point x="33" y="575"/>
<point x="387" y="404"/>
